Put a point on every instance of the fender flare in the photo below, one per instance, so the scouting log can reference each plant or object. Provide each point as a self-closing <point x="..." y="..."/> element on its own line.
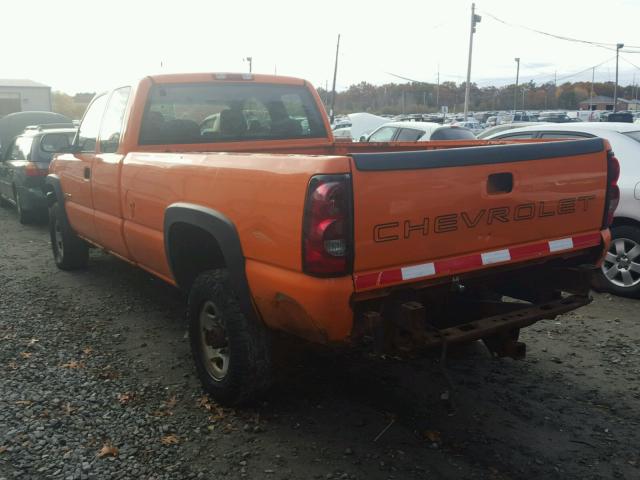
<point x="224" y="231"/>
<point x="54" y="194"/>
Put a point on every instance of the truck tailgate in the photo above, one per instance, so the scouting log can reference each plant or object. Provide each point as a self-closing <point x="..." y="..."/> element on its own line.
<point x="425" y="214"/>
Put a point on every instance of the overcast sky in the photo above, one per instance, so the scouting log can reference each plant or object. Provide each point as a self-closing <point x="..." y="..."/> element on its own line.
<point x="89" y="45"/>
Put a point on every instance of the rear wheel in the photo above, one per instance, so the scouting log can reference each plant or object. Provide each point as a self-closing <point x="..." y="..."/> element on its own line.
<point x="69" y="251"/>
<point x="232" y="353"/>
<point x="620" y="271"/>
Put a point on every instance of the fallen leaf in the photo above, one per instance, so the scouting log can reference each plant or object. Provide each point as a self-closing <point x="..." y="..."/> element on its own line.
<point x="87" y="350"/>
<point x="433" y="436"/>
<point x="3" y="448"/>
<point x="25" y="354"/>
<point x="171" y="402"/>
<point x="13" y="365"/>
<point x="24" y="402"/>
<point x="32" y="342"/>
<point x="108" y="450"/>
<point x="73" y="364"/>
<point x="126" y="397"/>
<point x="69" y="409"/>
<point x="170" y="439"/>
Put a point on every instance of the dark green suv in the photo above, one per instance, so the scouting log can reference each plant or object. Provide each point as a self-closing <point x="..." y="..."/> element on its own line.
<point x="25" y="165"/>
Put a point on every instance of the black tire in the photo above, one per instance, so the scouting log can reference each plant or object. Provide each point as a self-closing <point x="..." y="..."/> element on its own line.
<point x="25" y="217"/>
<point x="626" y="236"/>
<point x="245" y="341"/>
<point x="69" y="251"/>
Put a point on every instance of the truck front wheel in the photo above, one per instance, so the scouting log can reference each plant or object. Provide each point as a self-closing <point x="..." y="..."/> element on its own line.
<point x="232" y="353"/>
<point x="69" y="251"/>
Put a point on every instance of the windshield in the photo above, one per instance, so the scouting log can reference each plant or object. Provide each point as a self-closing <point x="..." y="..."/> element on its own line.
<point x="633" y="135"/>
<point x="206" y="113"/>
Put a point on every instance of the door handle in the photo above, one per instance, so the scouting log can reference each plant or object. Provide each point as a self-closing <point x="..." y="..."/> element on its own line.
<point x="87" y="173"/>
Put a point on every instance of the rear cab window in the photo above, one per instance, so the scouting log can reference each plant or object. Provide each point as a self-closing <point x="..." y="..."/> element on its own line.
<point x="228" y="112"/>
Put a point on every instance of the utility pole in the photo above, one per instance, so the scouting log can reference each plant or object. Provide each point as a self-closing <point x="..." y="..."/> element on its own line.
<point x="438" y="89"/>
<point x="593" y="76"/>
<point x="515" y="91"/>
<point x="250" y="60"/>
<point x="333" y="90"/>
<point x="615" y="86"/>
<point x="474" y="20"/>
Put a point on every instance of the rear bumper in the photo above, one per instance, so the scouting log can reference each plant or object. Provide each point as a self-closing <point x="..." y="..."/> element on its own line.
<point x="447" y="267"/>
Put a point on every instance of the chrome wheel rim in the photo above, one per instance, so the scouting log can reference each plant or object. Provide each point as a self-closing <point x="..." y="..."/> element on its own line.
<point x="213" y="341"/>
<point x="621" y="264"/>
<point x="57" y="238"/>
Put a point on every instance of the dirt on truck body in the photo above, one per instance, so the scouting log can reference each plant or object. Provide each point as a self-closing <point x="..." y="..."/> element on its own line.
<point x="232" y="188"/>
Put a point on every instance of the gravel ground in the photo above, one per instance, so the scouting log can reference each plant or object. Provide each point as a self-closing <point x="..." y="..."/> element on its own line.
<point x="96" y="381"/>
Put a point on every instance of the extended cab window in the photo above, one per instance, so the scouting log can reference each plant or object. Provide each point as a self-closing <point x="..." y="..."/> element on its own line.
<point x="112" y="121"/>
<point x="90" y="126"/>
<point x="228" y="112"/>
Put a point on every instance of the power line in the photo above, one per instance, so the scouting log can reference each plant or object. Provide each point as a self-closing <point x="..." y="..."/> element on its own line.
<point x="606" y="46"/>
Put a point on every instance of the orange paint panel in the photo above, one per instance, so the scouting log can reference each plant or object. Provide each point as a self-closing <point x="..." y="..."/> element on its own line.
<point x="313" y="308"/>
<point x="147" y="248"/>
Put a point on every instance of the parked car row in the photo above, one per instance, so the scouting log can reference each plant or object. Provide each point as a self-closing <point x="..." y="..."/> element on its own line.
<point x="27" y="149"/>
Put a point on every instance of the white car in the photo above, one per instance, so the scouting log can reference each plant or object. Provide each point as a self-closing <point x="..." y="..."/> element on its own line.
<point x="621" y="267"/>
<point x="418" y="132"/>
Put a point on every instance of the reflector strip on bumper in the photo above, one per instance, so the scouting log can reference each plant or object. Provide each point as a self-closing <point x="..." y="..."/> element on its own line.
<point x="465" y="263"/>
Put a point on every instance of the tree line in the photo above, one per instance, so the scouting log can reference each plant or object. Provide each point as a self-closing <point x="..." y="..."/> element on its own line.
<point x="397" y="98"/>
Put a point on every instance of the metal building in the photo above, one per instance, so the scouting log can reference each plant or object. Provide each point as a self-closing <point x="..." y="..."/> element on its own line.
<point x="23" y="95"/>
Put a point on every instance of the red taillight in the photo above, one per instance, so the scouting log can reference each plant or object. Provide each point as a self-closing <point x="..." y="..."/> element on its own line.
<point x="32" y="170"/>
<point x="327" y="226"/>
<point x="613" y="191"/>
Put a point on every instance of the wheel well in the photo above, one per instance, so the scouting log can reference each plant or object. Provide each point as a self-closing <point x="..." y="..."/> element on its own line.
<point x="619" y="221"/>
<point x="192" y="250"/>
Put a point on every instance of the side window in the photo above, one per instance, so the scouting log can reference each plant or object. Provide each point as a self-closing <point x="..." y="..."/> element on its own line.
<point x="385" y="134"/>
<point x="564" y="135"/>
<point x="90" y="126"/>
<point x="409" y="135"/>
<point x="112" y="121"/>
<point x="517" y="136"/>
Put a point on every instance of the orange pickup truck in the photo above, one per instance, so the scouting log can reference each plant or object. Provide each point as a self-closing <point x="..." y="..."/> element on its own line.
<point x="231" y="187"/>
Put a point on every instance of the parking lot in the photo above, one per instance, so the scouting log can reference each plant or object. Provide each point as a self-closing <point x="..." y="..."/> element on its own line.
<point x="97" y="382"/>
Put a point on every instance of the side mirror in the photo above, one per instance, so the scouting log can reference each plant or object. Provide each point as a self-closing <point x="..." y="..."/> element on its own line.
<point x="363" y="138"/>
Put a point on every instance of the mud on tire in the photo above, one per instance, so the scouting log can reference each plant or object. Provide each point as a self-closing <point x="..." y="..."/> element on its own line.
<point x="232" y="353"/>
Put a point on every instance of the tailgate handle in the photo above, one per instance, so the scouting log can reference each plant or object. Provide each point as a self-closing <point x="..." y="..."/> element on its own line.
<point x="500" y="183"/>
